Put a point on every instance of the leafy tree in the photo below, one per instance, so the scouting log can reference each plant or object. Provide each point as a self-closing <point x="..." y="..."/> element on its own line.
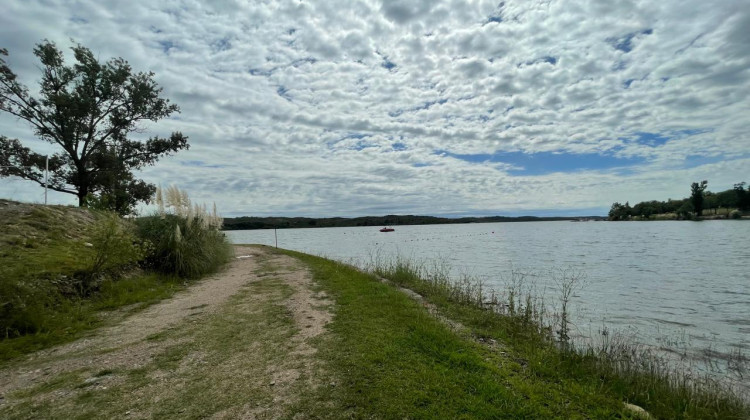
<point x="671" y="206"/>
<point x="620" y="212"/>
<point x="727" y="199"/>
<point x="743" y="196"/>
<point x="87" y="109"/>
<point x="710" y="201"/>
<point x="686" y="210"/>
<point x="696" y="196"/>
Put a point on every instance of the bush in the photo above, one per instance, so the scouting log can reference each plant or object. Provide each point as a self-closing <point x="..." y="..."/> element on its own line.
<point x="187" y="240"/>
<point x="115" y="245"/>
<point x="24" y="306"/>
<point x="735" y="214"/>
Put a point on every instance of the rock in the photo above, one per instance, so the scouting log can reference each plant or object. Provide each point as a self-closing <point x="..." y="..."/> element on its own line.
<point x="639" y="411"/>
<point x="88" y="244"/>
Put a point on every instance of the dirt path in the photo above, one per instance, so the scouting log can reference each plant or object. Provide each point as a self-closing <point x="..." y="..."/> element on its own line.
<point x="251" y="327"/>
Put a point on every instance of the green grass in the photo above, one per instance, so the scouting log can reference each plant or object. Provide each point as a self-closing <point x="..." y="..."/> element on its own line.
<point x="60" y="267"/>
<point x="65" y="319"/>
<point x="621" y="373"/>
<point x="391" y="359"/>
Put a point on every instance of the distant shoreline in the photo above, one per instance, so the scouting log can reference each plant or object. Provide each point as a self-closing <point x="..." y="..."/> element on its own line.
<point x="252" y="223"/>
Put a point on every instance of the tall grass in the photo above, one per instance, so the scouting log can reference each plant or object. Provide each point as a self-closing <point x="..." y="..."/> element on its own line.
<point x="185" y="239"/>
<point x="540" y="333"/>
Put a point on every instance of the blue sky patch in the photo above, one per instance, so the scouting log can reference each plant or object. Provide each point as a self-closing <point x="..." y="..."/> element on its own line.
<point x="361" y="144"/>
<point x="546" y="59"/>
<point x="651" y="139"/>
<point x="543" y="163"/>
<point x="259" y="72"/>
<point x="656" y="139"/>
<point x="398" y="146"/>
<point x="283" y="92"/>
<point x="691" y="161"/>
<point x="625" y="43"/>
<point x="166" y="46"/>
<point x="222" y="45"/>
<point x="497" y="15"/>
<point x="428" y="104"/>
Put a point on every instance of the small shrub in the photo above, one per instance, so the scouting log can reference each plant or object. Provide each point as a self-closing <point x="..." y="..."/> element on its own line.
<point x="115" y="245"/>
<point x="735" y="214"/>
<point x="24" y="307"/>
<point x="185" y="240"/>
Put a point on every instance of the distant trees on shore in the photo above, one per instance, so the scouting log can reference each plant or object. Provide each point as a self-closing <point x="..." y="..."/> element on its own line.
<point x="249" y="222"/>
<point x="700" y="200"/>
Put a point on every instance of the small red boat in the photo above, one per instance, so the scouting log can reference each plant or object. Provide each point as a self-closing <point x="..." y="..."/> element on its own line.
<point x="387" y="229"/>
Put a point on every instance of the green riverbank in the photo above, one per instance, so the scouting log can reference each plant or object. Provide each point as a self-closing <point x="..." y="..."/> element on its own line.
<point x="279" y="334"/>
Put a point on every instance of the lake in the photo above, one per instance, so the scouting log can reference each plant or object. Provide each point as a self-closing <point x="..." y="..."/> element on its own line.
<point x="676" y="285"/>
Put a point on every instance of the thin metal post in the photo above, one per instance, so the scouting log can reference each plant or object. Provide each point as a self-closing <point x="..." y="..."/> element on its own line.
<point x="275" y="237"/>
<point x="46" y="177"/>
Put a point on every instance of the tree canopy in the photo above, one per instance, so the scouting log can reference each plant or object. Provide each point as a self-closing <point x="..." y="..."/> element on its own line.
<point x="697" y="197"/>
<point x="88" y="110"/>
<point x="700" y="199"/>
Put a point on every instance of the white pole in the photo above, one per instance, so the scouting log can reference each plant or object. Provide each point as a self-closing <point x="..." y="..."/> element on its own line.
<point x="46" y="177"/>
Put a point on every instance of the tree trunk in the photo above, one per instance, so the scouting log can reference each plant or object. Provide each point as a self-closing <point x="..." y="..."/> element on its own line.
<point x="82" y="193"/>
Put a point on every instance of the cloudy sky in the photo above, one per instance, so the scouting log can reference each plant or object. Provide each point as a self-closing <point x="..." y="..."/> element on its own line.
<point x="347" y="108"/>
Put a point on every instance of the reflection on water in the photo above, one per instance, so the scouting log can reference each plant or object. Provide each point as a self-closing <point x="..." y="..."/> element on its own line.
<point x="658" y="279"/>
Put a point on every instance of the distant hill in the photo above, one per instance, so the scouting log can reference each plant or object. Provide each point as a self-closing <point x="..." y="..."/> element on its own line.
<point x="248" y="223"/>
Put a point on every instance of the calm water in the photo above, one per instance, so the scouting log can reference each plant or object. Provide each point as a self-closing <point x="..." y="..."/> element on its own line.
<point x="684" y="286"/>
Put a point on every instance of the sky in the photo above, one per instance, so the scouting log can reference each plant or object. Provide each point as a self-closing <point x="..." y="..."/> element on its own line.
<point x="451" y="108"/>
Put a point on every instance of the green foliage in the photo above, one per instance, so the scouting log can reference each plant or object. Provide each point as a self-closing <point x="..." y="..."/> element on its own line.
<point x="87" y="110"/>
<point x="742" y="196"/>
<point x="697" y="196"/>
<point x="183" y="247"/>
<point x="699" y="200"/>
<point x="686" y="210"/>
<point x="44" y="317"/>
<point x="59" y="266"/>
<point x="24" y="306"/>
<point x="620" y="212"/>
<point x="115" y="246"/>
<point x="186" y="240"/>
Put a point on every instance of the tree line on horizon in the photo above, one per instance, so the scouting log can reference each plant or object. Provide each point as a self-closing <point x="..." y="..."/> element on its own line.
<point x="700" y="200"/>
<point x="250" y="222"/>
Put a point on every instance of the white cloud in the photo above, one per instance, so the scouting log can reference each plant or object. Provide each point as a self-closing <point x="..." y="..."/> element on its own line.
<point x="338" y="108"/>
